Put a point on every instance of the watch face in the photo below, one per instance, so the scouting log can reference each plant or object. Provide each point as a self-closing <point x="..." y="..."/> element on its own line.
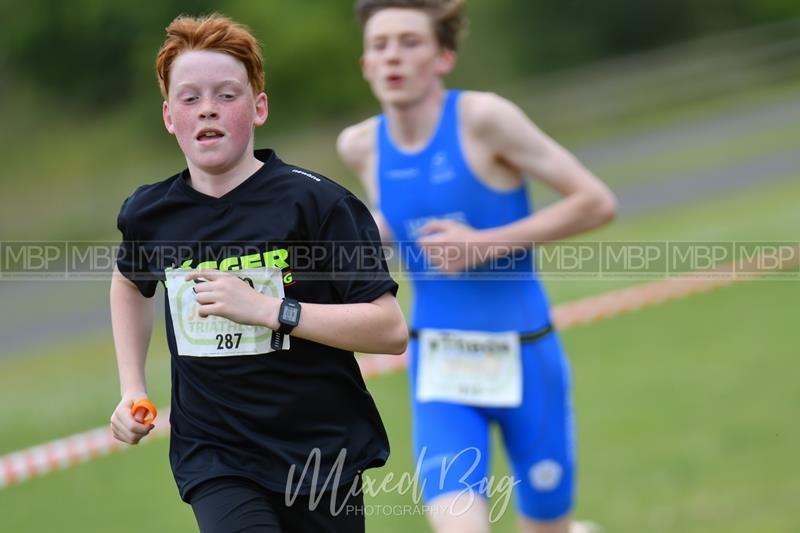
<point x="290" y="314"/>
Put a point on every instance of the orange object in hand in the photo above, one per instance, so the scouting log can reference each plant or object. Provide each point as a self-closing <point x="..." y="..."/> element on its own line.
<point x="148" y="408"/>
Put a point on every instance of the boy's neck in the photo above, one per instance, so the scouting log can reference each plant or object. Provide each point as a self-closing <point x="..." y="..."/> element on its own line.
<point x="218" y="184"/>
<point x="411" y="126"/>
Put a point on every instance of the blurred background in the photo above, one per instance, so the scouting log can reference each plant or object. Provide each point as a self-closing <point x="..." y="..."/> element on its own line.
<point x="689" y="109"/>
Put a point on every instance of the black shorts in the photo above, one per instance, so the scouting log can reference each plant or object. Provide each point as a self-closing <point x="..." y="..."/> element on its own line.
<point x="236" y="504"/>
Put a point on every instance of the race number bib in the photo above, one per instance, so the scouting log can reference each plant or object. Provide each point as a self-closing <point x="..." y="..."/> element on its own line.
<point x="214" y="336"/>
<point x="470" y="367"/>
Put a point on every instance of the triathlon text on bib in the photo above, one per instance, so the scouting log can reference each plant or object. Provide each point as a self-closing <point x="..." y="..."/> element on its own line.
<point x="214" y="336"/>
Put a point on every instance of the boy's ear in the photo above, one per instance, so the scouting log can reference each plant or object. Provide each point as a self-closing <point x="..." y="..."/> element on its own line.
<point x="167" y="118"/>
<point x="446" y="61"/>
<point x="363" y="64"/>
<point x="262" y="109"/>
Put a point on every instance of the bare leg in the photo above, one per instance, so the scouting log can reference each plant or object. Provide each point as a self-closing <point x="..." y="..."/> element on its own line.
<point x="451" y="513"/>
<point x="561" y="525"/>
<point x="565" y="524"/>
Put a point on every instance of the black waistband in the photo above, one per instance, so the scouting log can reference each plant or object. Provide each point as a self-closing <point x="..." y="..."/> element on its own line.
<point x="528" y="336"/>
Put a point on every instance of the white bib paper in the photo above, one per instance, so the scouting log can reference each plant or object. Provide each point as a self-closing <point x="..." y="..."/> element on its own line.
<point x="470" y="367"/>
<point x="214" y="336"/>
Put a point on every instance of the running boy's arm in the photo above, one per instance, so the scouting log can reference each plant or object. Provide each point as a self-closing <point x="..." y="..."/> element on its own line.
<point x="356" y="148"/>
<point x="132" y="322"/>
<point x="516" y="141"/>
<point x="374" y="327"/>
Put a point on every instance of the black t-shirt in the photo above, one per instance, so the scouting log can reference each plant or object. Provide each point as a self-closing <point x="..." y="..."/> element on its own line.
<point x="257" y="416"/>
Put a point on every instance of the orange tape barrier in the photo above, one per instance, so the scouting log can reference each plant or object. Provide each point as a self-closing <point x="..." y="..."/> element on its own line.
<point x="63" y="453"/>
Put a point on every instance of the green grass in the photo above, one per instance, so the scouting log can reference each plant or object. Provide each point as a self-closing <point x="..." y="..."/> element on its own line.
<point x="59" y="389"/>
<point x="688" y="415"/>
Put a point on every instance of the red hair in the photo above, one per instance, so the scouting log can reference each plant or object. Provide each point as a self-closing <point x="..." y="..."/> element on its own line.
<point x="213" y="32"/>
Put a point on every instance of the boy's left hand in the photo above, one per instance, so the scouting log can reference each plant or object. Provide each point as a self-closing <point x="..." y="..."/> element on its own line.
<point x="225" y="295"/>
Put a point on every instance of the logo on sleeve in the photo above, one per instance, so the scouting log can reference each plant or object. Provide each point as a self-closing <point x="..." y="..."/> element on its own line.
<point x="298" y="171"/>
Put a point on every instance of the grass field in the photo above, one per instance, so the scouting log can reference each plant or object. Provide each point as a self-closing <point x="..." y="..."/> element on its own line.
<point x="685" y="411"/>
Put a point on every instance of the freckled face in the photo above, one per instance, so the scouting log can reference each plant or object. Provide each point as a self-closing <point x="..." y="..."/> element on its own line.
<point x="402" y="59"/>
<point x="211" y="109"/>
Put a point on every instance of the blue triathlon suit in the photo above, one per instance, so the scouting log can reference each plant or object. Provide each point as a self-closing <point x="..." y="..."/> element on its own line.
<point x="451" y="440"/>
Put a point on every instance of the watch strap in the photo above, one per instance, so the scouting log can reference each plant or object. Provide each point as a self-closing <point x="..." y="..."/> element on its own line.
<point x="276" y="341"/>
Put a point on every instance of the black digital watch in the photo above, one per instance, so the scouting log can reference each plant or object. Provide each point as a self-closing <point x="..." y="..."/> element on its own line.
<point x="288" y="318"/>
<point x="288" y="315"/>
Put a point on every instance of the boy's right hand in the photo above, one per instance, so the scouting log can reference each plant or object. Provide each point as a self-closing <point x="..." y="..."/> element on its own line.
<point x="124" y="426"/>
